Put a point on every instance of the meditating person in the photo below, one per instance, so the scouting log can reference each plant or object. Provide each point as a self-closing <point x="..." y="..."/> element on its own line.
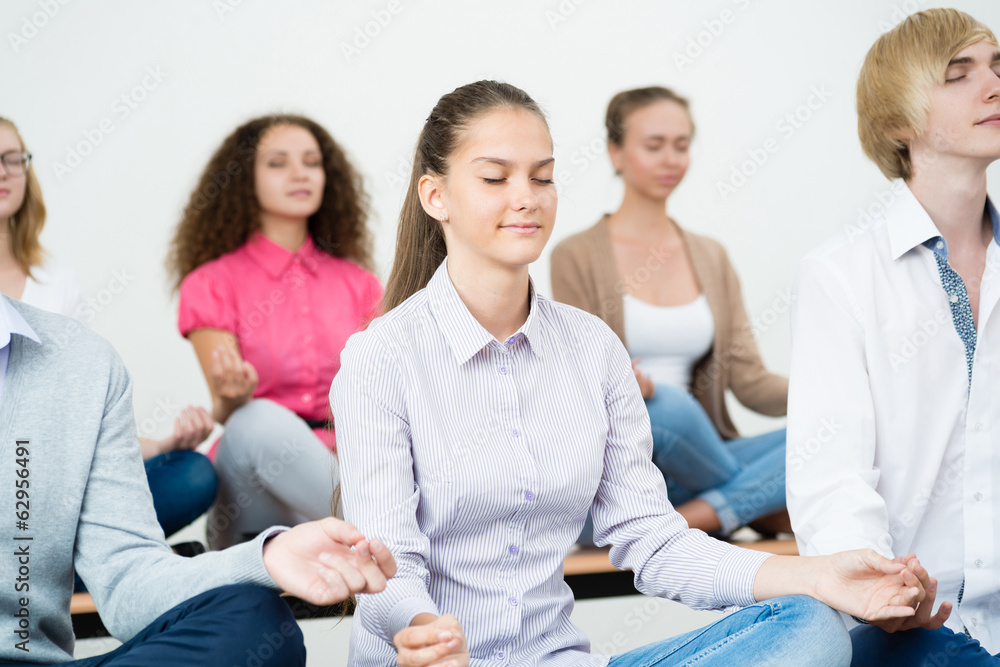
<point x="478" y="421"/>
<point x="895" y="341"/>
<point x="673" y="299"/>
<point x="272" y="259"/>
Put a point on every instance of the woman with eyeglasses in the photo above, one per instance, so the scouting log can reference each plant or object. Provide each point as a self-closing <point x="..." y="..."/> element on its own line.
<point x="182" y="481"/>
<point x="25" y="273"/>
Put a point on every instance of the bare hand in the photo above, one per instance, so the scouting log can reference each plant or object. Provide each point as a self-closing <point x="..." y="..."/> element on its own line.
<point x="864" y="584"/>
<point x="190" y="430"/>
<point x="440" y="643"/>
<point x="646" y="385"/>
<point x="232" y="378"/>
<point x="923" y="617"/>
<point x="314" y="561"/>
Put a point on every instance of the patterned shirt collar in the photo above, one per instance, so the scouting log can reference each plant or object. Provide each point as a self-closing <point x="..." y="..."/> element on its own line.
<point x="275" y="260"/>
<point x="909" y="225"/>
<point x="464" y="334"/>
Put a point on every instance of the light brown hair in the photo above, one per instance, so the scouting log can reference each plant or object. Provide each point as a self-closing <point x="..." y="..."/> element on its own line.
<point x="420" y="246"/>
<point x="223" y="211"/>
<point x="627" y="102"/>
<point x="27" y="222"/>
<point x="897" y="76"/>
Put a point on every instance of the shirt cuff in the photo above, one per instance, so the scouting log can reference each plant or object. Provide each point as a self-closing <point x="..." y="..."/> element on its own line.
<point x="405" y="611"/>
<point x="735" y="574"/>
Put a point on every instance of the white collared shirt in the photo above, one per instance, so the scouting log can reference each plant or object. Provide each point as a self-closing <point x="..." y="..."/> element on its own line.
<point x="891" y="445"/>
<point x="11" y="322"/>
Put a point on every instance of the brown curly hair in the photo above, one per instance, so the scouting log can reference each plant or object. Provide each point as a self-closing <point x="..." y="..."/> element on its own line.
<point x="223" y="211"/>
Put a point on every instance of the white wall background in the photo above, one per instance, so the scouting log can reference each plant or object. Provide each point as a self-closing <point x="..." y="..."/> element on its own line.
<point x="750" y="63"/>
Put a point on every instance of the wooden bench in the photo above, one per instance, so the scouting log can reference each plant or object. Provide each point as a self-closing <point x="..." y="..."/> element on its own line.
<point x="588" y="572"/>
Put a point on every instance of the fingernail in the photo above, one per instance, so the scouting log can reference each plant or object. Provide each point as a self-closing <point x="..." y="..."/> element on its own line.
<point x="444" y="636"/>
<point x="375" y="546"/>
<point x="325" y="556"/>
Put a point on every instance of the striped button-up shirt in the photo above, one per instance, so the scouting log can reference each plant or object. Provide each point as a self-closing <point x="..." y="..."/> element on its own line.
<point x="476" y="461"/>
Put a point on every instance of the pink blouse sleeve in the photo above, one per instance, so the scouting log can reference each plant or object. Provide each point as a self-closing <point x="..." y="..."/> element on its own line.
<point x="207" y="301"/>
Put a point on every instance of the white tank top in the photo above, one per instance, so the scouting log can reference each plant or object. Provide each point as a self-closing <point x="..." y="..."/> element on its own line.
<point x="669" y="339"/>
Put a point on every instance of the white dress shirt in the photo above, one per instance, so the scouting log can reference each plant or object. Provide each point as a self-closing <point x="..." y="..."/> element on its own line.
<point x="891" y="444"/>
<point x="11" y="323"/>
<point x="476" y="461"/>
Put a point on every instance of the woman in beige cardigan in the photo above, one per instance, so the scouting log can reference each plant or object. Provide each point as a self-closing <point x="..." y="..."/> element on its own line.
<point x="674" y="300"/>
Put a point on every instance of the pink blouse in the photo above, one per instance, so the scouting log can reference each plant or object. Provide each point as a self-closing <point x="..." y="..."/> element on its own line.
<point x="292" y="313"/>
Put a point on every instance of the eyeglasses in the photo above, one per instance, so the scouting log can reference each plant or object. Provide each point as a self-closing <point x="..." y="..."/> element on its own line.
<point x="15" y="162"/>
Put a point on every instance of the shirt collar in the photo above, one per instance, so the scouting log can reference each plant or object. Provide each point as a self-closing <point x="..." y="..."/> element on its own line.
<point x="275" y="260"/>
<point x="909" y="225"/>
<point x="11" y="322"/>
<point x="464" y="334"/>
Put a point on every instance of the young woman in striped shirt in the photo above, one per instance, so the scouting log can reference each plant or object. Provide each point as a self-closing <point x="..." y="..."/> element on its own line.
<point x="478" y="421"/>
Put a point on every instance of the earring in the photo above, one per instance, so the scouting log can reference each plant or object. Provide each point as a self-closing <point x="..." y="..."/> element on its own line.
<point x="444" y="219"/>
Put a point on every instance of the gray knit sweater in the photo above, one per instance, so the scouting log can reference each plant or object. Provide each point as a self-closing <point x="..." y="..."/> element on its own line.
<point x="73" y="491"/>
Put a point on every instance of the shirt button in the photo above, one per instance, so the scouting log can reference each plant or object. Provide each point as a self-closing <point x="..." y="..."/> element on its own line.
<point x="501" y="655"/>
<point x="307" y="339"/>
<point x="975" y="622"/>
<point x="978" y="563"/>
<point x="304" y="310"/>
<point x="513" y="602"/>
<point x="528" y="495"/>
<point x="515" y="432"/>
<point x="939" y="245"/>
<point x="513" y="551"/>
<point x="978" y="496"/>
<point x="979" y="426"/>
<point x="503" y="370"/>
<point x="953" y="298"/>
<point x="307" y="398"/>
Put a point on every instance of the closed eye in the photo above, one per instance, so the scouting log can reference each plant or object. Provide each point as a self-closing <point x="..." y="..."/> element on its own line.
<point x="545" y="181"/>
<point x="494" y="180"/>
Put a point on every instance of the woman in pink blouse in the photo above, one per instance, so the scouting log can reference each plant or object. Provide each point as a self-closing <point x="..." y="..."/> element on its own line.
<point x="272" y="261"/>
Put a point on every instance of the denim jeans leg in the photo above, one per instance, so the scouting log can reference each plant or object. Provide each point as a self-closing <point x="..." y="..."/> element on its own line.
<point x="795" y="630"/>
<point x="759" y="488"/>
<point x="919" y="647"/>
<point x="183" y="484"/>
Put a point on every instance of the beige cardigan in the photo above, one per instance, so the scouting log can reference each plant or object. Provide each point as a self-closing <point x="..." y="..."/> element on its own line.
<point x="584" y="275"/>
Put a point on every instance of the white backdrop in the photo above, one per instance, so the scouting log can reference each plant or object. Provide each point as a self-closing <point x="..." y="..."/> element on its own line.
<point x="122" y="103"/>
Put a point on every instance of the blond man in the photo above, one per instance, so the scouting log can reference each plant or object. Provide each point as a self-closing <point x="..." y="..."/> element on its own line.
<point x="896" y="342"/>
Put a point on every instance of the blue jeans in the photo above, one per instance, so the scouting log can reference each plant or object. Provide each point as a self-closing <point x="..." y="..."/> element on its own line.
<point x="183" y="484"/>
<point x="231" y="625"/>
<point x="795" y="630"/>
<point x="917" y="648"/>
<point x="742" y="479"/>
